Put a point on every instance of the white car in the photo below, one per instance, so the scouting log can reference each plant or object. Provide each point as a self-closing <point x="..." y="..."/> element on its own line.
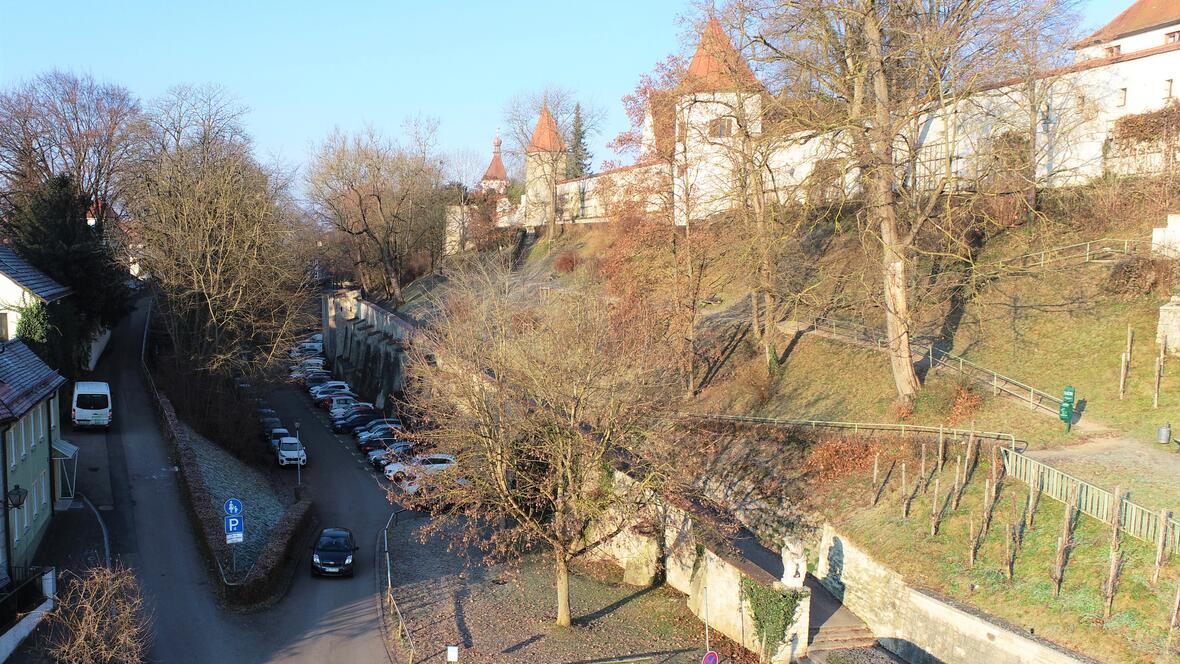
<point x="379" y="459"/>
<point x="338" y="402"/>
<point x="332" y="385"/>
<point x="408" y="475"/>
<point x="290" y="452"/>
<point x="337" y="412"/>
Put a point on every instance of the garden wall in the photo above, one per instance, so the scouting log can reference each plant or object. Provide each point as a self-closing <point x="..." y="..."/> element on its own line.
<point x="916" y="624"/>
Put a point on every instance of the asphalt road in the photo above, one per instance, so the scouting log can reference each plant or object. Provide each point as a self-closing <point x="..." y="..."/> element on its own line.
<point x="318" y="620"/>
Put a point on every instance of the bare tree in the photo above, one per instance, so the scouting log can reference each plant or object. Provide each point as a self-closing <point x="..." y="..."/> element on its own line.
<point x="388" y="199"/>
<point x="872" y="78"/>
<point x="64" y="123"/>
<point x="553" y="412"/>
<point x="221" y="237"/>
<point x="100" y="618"/>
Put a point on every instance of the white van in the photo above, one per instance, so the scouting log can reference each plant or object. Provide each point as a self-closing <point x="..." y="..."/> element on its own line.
<point x="91" y="405"/>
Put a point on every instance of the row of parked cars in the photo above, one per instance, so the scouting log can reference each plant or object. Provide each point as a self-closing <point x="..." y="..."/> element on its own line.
<point x="380" y="438"/>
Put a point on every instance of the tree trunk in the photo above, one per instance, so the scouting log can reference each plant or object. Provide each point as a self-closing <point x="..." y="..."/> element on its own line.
<point x="562" y="578"/>
<point x="897" y="314"/>
<point x="1030" y="187"/>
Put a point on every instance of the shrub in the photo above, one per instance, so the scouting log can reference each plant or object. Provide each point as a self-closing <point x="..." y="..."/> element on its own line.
<point x="1141" y="275"/>
<point x="966" y="402"/>
<point x="567" y="261"/>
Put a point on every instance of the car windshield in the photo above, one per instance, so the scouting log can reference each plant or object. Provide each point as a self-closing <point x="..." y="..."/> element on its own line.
<point x="290" y="447"/>
<point x="334" y="542"/>
<point x="92" y="401"/>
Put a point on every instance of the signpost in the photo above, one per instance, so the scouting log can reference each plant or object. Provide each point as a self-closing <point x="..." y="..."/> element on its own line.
<point x="709" y="658"/>
<point x="235" y="527"/>
<point x="1065" y="412"/>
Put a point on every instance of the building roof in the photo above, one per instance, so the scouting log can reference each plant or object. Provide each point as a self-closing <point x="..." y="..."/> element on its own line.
<point x="546" y="137"/>
<point x="1143" y="15"/>
<point x="717" y="65"/>
<point x="30" y="278"/>
<point x="496" y="170"/>
<point x="24" y="380"/>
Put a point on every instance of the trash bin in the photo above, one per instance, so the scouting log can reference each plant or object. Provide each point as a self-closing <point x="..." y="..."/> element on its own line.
<point x="1163" y="435"/>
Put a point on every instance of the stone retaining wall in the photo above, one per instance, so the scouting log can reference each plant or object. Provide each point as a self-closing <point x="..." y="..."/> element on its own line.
<point x="917" y="625"/>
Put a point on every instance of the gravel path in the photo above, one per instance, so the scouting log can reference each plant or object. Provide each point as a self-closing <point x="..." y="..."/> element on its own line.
<point x="499" y="614"/>
<point x="227" y="478"/>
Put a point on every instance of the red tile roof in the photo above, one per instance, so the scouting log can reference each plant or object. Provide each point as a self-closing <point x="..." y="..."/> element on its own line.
<point x="1143" y="15"/>
<point x="546" y="137"/>
<point x="717" y="65"/>
<point x="496" y="170"/>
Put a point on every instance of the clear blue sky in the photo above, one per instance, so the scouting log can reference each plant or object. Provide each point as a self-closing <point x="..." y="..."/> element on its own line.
<point x="306" y="67"/>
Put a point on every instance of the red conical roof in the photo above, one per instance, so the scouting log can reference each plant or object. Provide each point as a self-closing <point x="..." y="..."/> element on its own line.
<point x="546" y="137"/>
<point x="717" y="65"/>
<point x="496" y="170"/>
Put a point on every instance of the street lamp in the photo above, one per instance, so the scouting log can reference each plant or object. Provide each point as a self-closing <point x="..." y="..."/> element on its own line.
<point x="15" y="498"/>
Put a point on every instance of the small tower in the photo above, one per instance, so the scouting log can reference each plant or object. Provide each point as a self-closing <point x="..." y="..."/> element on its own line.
<point x="495" y="178"/>
<point x="544" y="163"/>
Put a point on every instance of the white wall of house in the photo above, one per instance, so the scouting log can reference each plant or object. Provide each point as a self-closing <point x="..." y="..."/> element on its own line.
<point x="12" y="297"/>
<point x="1140" y="41"/>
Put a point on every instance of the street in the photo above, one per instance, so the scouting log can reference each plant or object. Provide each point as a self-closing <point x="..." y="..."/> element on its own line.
<point x="318" y="620"/>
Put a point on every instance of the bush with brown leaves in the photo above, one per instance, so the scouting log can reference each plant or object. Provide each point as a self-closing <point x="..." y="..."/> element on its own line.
<point x="567" y="261"/>
<point x="966" y="402"/>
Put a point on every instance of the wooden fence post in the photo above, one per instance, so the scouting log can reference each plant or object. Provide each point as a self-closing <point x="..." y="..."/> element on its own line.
<point x="1161" y="543"/>
<point x="1122" y="375"/>
<point x="1175" y="619"/>
<point x="934" y="509"/>
<point x="1130" y="342"/>
<point x="1159" y="374"/>
<point x="923" y="475"/>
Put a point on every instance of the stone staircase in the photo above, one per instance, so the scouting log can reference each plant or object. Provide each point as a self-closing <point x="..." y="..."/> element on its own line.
<point x="839" y="637"/>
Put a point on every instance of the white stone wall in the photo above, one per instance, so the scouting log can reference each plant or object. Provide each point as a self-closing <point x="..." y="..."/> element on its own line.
<point x="916" y="625"/>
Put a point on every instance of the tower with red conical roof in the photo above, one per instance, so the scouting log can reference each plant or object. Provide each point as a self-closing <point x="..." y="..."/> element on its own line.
<point x="544" y="164"/>
<point x="495" y="178"/>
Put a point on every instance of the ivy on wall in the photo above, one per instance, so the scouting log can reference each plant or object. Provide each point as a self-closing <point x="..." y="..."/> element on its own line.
<point x="774" y="612"/>
<point x="1151" y="127"/>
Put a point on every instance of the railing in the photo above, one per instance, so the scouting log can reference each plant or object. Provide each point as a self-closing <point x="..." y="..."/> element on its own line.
<point x="999" y="383"/>
<point x="388" y="601"/>
<point x="26" y="595"/>
<point x="857" y="427"/>
<point x="1138" y="521"/>
<point x="1082" y="252"/>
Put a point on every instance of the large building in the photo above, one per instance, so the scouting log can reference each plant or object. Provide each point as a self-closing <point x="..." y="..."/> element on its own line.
<point x="1127" y="68"/>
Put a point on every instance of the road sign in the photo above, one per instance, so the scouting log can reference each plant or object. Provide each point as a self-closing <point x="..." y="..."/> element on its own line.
<point x="1069" y="394"/>
<point x="233" y="507"/>
<point x="709" y="658"/>
<point x="235" y="529"/>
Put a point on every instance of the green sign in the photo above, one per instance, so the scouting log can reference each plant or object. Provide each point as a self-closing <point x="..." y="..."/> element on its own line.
<point x="1069" y="395"/>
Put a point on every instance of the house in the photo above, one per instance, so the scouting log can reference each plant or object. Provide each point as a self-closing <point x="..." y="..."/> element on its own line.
<point x="29" y="427"/>
<point x="22" y="285"/>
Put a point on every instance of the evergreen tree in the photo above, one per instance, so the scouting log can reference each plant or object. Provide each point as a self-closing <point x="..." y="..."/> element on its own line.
<point x="48" y="229"/>
<point x="578" y="163"/>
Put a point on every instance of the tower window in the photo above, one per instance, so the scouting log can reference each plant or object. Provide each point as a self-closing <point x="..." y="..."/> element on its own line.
<point x="721" y="128"/>
<point x="1172" y="38"/>
<point x="1113" y="51"/>
<point x="1122" y="97"/>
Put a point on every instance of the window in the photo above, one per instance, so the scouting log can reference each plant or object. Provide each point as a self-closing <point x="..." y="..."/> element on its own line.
<point x="44" y="487"/>
<point x="25" y="515"/>
<point x="1172" y="38"/>
<point x="33" y="499"/>
<point x="721" y="128"/>
<point x="24" y="437"/>
<point x="4" y="326"/>
<point x="1168" y="89"/>
<point x="1113" y="51"/>
<point x="1122" y="97"/>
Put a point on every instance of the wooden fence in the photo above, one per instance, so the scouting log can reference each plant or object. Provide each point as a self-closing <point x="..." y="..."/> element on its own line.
<point x="1137" y="521"/>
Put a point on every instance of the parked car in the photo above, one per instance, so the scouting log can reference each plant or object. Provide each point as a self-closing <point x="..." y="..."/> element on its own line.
<point x="396" y="452"/>
<point x="277" y="434"/>
<point x="92" y="405"/>
<point x="290" y="452"/>
<point x="264" y="413"/>
<point x="387" y="423"/>
<point x="347" y="409"/>
<point x="337" y="400"/>
<point x="408" y="475"/>
<point x="329" y="388"/>
<point x="269" y="424"/>
<point x="333" y="552"/>
<point x="378" y="444"/>
<point x="353" y="421"/>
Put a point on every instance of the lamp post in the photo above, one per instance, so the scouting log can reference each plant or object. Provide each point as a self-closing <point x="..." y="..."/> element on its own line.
<point x="15" y="499"/>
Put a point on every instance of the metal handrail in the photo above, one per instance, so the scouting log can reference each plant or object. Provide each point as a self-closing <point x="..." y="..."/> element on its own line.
<point x="857" y="427"/>
<point x="383" y="544"/>
<point x="1085" y="250"/>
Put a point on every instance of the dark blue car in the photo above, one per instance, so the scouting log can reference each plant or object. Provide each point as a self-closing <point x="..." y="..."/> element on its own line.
<point x="353" y="421"/>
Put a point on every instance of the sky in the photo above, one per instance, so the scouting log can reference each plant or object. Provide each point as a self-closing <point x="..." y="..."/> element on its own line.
<point x="306" y="68"/>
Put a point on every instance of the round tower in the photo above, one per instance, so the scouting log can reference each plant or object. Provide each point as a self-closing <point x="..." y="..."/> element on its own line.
<point x="544" y="163"/>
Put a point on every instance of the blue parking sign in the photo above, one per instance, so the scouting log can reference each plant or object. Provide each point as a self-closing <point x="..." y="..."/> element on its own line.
<point x="234" y="524"/>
